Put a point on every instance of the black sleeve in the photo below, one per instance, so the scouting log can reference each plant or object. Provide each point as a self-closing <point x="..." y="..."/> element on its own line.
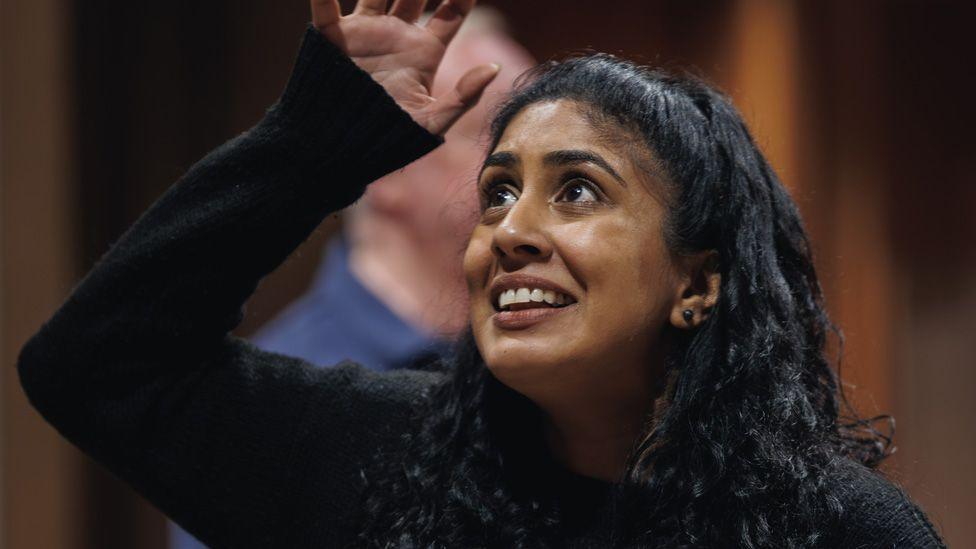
<point x="138" y="370"/>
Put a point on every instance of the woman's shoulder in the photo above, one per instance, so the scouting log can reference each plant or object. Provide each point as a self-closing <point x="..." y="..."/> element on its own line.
<point x="876" y="512"/>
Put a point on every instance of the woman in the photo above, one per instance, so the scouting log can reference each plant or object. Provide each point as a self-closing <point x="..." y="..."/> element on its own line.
<point x="645" y="361"/>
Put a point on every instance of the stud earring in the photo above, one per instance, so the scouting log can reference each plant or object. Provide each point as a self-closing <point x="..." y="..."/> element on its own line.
<point x="688" y="314"/>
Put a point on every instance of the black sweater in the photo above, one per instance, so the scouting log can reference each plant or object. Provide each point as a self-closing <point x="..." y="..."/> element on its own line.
<point x="241" y="447"/>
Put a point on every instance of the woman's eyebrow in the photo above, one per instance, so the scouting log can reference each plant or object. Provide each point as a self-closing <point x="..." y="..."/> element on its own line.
<point x="503" y="159"/>
<point x="575" y="156"/>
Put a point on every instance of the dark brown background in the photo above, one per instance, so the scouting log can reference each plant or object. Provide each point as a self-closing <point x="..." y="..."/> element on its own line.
<point x="864" y="108"/>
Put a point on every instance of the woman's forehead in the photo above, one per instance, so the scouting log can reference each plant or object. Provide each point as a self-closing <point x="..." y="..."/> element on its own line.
<point x="544" y="127"/>
<point x="547" y="127"/>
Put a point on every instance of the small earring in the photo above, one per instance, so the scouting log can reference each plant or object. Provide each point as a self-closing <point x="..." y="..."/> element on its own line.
<point x="688" y="314"/>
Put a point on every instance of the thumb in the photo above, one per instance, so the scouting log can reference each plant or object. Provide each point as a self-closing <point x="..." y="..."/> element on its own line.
<point x="444" y="111"/>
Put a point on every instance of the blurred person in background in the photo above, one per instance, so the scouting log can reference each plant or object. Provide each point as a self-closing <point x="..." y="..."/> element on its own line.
<point x="389" y="291"/>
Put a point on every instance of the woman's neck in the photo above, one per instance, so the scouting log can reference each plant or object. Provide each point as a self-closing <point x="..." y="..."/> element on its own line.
<point x="594" y="453"/>
<point x="594" y="441"/>
<point x="593" y="433"/>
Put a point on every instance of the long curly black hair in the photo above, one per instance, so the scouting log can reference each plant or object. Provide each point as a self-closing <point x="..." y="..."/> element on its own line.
<point x="752" y="422"/>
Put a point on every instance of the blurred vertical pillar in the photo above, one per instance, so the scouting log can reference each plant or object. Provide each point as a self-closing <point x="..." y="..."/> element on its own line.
<point x="787" y="86"/>
<point x="932" y="188"/>
<point x="846" y="173"/>
<point x="764" y="67"/>
<point x="40" y="471"/>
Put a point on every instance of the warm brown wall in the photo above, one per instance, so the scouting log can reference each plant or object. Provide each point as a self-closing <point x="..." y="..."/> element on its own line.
<point x="861" y="106"/>
<point x="929" y="145"/>
<point x="891" y="119"/>
<point x="40" y="495"/>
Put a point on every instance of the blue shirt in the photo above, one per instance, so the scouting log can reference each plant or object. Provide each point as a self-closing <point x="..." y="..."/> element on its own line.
<point x="337" y="319"/>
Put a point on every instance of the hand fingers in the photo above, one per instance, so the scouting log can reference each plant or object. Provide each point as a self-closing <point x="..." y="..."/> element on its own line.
<point x="408" y="10"/>
<point x="370" y="7"/>
<point x="446" y="110"/>
<point x="448" y="17"/>
<point x="325" y="13"/>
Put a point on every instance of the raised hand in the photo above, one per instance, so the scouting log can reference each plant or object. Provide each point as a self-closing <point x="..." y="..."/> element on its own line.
<point x="403" y="56"/>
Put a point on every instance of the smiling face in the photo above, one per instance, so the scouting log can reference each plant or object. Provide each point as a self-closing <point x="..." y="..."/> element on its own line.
<point x="570" y="280"/>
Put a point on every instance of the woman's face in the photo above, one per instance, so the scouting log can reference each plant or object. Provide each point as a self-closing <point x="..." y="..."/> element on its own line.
<point x="570" y="280"/>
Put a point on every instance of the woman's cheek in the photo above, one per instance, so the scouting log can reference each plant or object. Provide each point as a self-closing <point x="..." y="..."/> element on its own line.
<point x="610" y="259"/>
<point x="477" y="262"/>
<point x="596" y="251"/>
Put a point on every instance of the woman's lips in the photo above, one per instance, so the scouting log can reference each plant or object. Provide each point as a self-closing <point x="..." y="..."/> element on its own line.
<point x="525" y="318"/>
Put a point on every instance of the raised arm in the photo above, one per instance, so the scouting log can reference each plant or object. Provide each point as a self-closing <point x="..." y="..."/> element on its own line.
<point x="241" y="447"/>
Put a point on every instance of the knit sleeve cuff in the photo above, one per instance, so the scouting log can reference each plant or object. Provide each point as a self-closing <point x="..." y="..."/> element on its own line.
<point x="332" y="106"/>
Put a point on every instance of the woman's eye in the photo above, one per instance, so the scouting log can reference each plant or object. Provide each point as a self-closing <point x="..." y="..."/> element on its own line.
<point x="579" y="190"/>
<point x="500" y="196"/>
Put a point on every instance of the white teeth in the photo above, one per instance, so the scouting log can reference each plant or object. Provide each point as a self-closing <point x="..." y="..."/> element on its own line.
<point x="527" y="295"/>
<point x="506" y="298"/>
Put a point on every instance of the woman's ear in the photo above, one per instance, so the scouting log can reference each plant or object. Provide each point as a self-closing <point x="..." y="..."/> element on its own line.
<point x="698" y="291"/>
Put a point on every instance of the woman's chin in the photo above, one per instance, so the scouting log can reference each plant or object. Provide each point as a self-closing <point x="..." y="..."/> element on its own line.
<point x="527" y="348"/>
<point x="521" y="364"/>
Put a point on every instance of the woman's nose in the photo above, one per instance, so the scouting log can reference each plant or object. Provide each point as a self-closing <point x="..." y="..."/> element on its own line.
<point x="521" y="237"/>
